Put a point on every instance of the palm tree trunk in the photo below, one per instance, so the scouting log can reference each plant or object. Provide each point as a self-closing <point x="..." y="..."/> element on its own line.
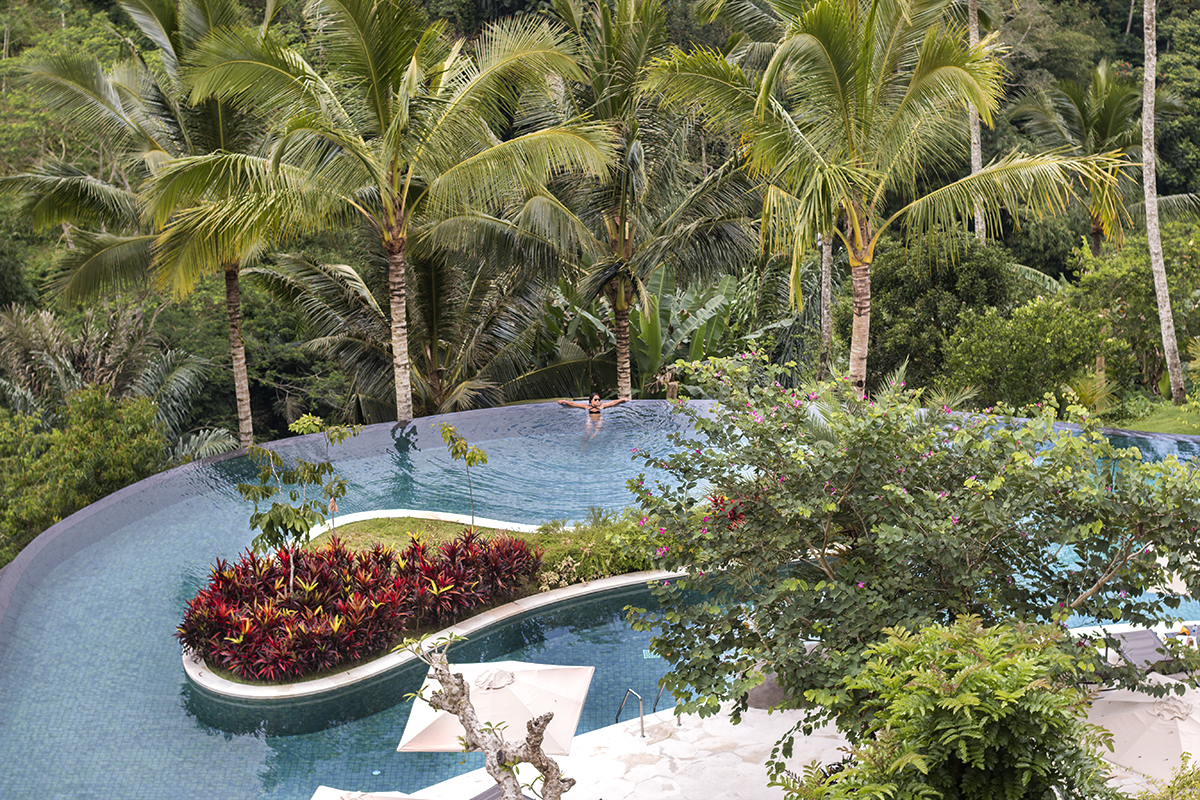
<point x="1157" y="267"/>
<point x="1097" y="235"/>
<point x="826" y="301"/>
<point x="973" y="116"/>
<point x="620" y="295"/>
<point x="398" y="293"/>
<point x="237" y="348"/>
<point x="860" y="332"/>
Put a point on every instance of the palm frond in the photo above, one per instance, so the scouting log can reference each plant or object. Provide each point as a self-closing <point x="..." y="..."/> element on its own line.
<point x="55" y="192"/>
<point x="1040" y="184"/>
<point x="172" y="380"/>
<point x="100" y="262"/>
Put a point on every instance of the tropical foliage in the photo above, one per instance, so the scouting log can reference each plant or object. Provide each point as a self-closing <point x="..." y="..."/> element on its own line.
<point x="400" y="135"/>
<point x="972" y="713"/>
<point x="140" y="108"/>
<point x="100" y="445"/>
<point x="346" y="606"/>
<point x="807" y="521"/>
<point x="895" y="79"/>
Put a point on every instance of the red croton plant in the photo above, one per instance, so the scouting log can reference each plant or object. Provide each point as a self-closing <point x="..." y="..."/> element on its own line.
<point x="345" y="606"/>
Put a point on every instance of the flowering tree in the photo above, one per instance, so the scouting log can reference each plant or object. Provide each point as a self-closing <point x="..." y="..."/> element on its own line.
<point x="807" y="522"/>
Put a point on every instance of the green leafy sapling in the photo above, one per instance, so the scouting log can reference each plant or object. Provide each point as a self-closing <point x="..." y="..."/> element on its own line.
<point x="470" y="455"/>
<point x="288" y="525"/>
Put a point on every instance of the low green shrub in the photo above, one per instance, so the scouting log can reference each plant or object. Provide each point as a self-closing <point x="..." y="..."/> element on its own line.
<point x="1131" y="408"/>
<point x="965" y="712"/>
<point x="605" y="543"/>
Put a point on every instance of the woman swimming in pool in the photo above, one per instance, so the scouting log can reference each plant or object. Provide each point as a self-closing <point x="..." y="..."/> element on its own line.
<point x="594" y="406"/>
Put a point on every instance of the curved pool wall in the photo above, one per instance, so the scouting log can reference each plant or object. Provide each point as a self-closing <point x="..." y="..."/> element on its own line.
<point x="93" y="698"/>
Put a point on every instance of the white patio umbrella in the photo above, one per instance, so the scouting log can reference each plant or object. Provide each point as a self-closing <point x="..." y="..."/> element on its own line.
<point x="1150" y="734"/>
<point x="510" y="693"/>
<point x="329" y="793"/>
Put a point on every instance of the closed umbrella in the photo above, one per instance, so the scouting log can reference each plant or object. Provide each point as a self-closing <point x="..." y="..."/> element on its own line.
<point x="1150" y="734"/>
<point x="508" y="693"/>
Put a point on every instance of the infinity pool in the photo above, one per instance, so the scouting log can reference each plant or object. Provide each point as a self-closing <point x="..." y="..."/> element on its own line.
<point x="93" y="698"/>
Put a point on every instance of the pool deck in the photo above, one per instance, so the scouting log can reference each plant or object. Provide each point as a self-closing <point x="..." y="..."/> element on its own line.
<point x="700" y="759"/>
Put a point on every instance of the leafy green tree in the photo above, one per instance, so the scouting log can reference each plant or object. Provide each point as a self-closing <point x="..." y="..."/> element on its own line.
<point x="1018" y="357"/>
<point x="1179" y="137"/>
<point x="896" y="77"/>
<point x="287" y="525"/>
<point x="965" y="712"/>
<point x="917" y="295"/>
<point x="806" y="523"/>
<point x="461" y="450"/>
<point x="1119" y="286"/>
<point x="101" y="445"/>
<point x="403" y="132"/>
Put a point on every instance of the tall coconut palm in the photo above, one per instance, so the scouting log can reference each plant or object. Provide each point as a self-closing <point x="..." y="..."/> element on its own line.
<point x="141" y="108"/>
<point x="1154" y="237"/>
<point x="973" y="120"/>
<point x="401" y="131"/>
<point x="881" y="95"/>
<point x="656" y="211"/>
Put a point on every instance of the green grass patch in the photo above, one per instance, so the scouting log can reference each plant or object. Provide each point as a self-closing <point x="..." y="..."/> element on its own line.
<point x="395" y="532"/>
<point x="605" y="543"/>
<point x="1167" y="418"/>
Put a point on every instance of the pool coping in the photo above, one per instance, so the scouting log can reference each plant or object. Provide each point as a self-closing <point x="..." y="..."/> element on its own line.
<point x="200" y="675"/>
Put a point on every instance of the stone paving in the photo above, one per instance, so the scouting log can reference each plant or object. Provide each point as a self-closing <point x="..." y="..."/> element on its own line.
<point x="700" y="759"/>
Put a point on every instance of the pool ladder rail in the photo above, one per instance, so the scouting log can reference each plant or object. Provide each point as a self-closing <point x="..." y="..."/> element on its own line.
<point x="642" y="709"/>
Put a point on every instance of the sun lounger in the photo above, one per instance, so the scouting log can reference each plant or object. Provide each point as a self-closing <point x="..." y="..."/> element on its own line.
<point x="1142" y="649"/>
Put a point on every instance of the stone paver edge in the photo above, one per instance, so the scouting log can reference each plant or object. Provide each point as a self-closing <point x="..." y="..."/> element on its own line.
<point x="199" y="674"/>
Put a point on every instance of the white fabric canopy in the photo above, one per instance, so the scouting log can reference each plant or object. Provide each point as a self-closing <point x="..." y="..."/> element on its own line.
<point x="1150" y="734"/>
<point x="508" y="693"/>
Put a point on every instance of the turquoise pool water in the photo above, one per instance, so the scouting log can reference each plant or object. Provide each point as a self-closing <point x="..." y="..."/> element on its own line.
<point x="93" y="698"/>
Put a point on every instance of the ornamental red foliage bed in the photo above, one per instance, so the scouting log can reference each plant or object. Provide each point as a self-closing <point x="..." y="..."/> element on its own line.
<point x="343" y="606"/>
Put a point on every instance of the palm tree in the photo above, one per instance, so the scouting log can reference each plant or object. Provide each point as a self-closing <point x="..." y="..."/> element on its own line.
<point x="1099" y="116"/>
<point x="43" y="362"/>
<point x="141" y="109"/>
<point x="402" y="132"/>
<point x="1154" y="238"/>
<point x="657" y="211"/>
<point x="858" y="101"/>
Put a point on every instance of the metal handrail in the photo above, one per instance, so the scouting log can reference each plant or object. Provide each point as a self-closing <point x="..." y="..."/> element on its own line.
<point x="641" y="709"/>
<point x="653" y="708"/>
